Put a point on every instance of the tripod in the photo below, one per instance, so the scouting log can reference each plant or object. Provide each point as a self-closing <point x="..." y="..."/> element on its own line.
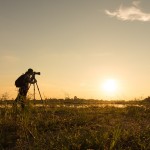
<point x="37" y="88"/>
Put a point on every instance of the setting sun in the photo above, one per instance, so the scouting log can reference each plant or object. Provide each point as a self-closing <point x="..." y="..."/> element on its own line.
<point x="110" y="86"/>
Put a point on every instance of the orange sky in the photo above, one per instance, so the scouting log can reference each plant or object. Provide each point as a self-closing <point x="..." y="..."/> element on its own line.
<point x="77" y="46"/>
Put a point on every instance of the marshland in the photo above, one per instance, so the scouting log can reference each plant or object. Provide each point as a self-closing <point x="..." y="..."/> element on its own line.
<point x="68" y="124"/>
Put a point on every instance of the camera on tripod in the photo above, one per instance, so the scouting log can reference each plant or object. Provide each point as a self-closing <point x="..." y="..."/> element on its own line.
<point x="35" y="83"/>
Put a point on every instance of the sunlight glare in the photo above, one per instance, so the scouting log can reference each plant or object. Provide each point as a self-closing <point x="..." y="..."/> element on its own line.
<point x="110" y="86"/>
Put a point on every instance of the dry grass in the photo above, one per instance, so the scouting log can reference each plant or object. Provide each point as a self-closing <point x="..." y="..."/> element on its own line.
<point x="73" y="128"/>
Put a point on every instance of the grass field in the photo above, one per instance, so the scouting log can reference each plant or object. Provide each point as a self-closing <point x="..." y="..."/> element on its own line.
<point x="63" y="125"/>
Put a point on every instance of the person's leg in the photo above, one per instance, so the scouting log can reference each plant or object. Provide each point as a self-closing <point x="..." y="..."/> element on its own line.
<point x="23" y="96"/>
<point x="17" y="100"/>
<point x="18" y="97"/>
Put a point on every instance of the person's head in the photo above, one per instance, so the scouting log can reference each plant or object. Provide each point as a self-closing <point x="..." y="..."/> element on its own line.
<point x="30" y="71"/>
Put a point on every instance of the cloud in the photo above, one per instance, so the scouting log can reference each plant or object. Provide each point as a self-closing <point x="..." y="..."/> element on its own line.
<point x="136" y="3"/>
<point x="131" y="13"/>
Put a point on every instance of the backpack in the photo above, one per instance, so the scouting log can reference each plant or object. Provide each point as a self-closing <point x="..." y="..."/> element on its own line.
<point x="20" y="81"/>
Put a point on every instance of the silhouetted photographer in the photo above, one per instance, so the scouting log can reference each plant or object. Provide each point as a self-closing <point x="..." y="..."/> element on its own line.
<point x="23" y="83"/>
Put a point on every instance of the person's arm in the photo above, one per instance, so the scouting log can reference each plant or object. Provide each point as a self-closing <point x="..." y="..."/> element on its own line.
<point x="32" y="80"/>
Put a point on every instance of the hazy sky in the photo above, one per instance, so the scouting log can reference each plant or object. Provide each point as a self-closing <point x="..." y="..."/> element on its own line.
<point x="76" y="45"/>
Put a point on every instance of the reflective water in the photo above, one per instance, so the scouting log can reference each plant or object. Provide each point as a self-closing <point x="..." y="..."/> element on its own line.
<point x="77" y="105"/>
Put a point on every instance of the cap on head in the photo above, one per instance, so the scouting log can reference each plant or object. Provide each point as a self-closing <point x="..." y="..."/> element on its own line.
<point x="30" y="70"/>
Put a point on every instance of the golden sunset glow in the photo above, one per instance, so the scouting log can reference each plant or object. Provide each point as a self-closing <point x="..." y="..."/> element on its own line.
<point x="84" y="48"/>
<point x="110" y="86"/>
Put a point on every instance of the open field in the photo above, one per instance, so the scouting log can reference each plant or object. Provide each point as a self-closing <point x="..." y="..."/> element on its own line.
<point x="75" y="125"/>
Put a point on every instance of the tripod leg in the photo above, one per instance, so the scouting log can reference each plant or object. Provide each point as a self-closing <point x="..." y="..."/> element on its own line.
<point x="39" y="91"/>
<point x="34" y="92"/>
